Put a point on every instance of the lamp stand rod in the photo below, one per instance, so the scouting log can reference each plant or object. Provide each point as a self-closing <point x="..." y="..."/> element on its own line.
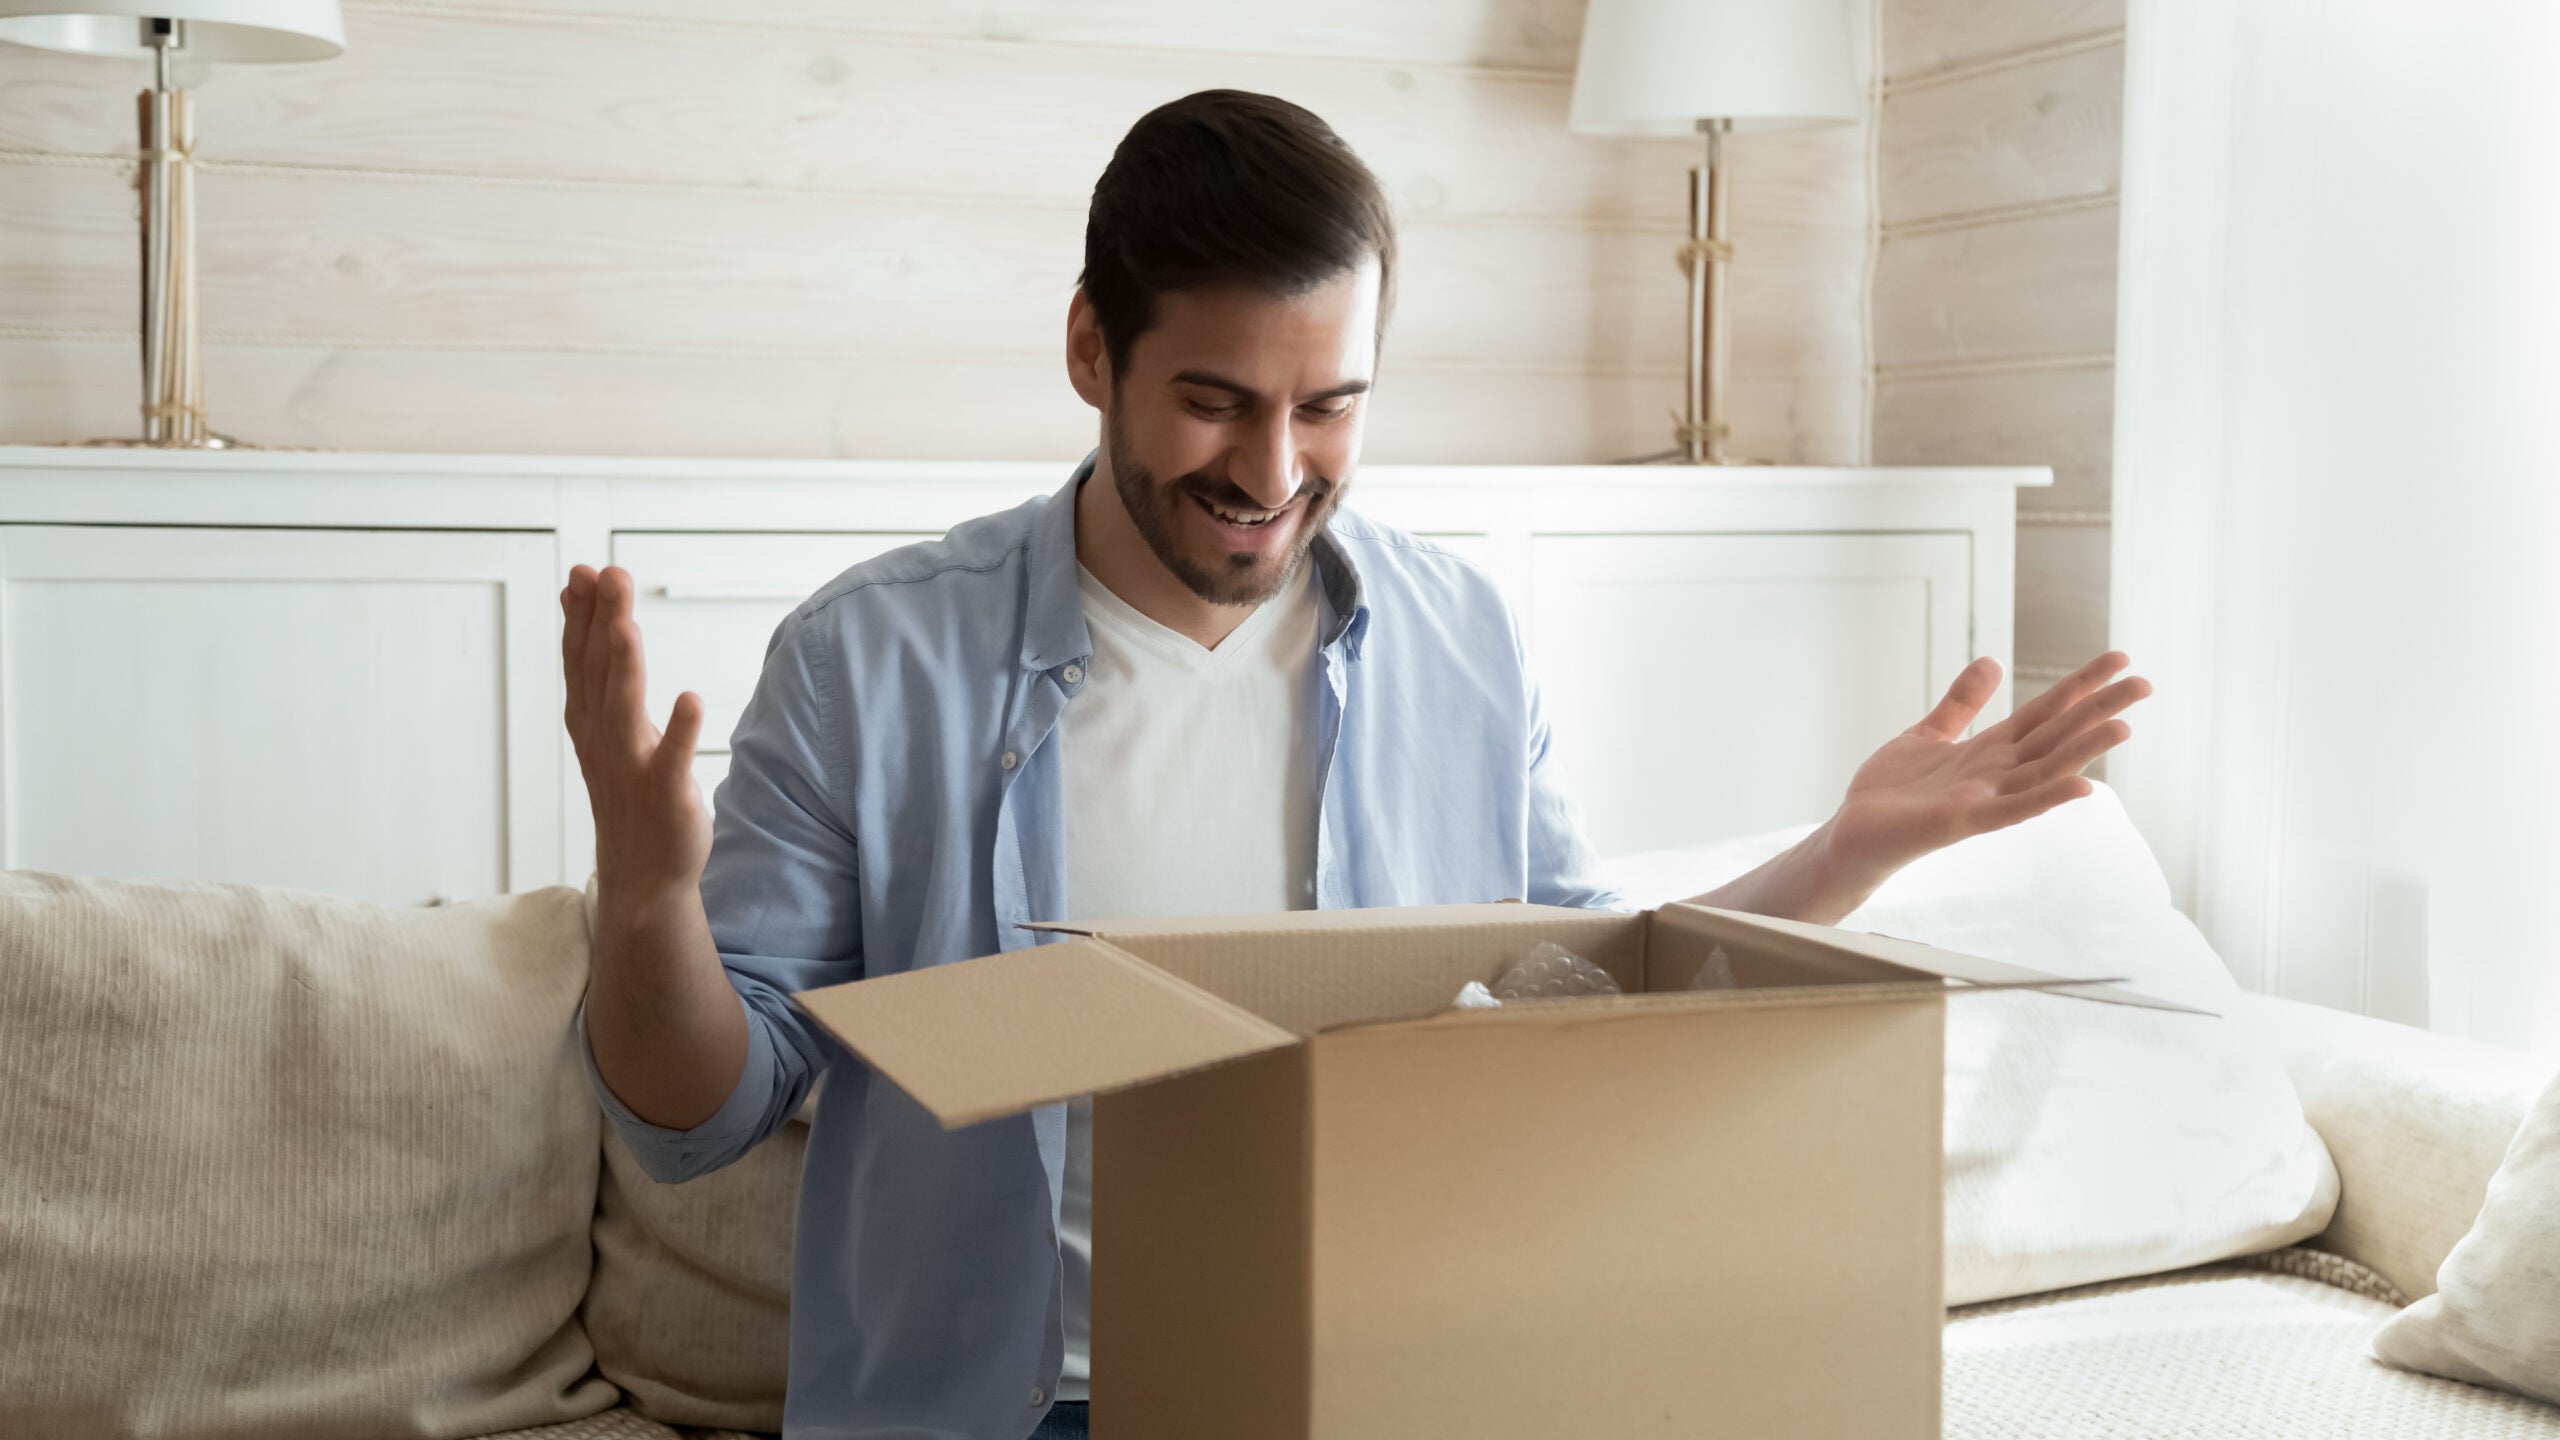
<point x="163" y="38"/>
<point x="1700" y="427"/>
<point x="1704" y="428"/>
<point x="172" y="372"/>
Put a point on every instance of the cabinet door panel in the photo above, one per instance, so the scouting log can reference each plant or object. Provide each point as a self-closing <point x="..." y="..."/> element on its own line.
<point x="708" y="604"/>
<point x="365" y="713"/>
<point x="1770" y="665"/>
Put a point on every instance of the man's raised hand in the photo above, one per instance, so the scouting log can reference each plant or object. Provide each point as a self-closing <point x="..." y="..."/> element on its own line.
<point x="1930" y="787"/>
<point x="652" y="833"/>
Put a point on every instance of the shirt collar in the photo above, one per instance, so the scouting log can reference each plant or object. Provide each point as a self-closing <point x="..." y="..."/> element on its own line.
<point x="1343" y="593"/>
<point x="1053" y="632"/>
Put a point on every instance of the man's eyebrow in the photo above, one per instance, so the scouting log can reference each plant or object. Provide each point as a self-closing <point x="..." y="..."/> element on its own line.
<point x="1221" y="382"/>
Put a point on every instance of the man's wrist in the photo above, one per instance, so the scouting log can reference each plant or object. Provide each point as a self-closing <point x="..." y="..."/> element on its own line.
<point x="1836" y="882"/>
<point x="1810" y="881"/>
<point x="626" y="909"/>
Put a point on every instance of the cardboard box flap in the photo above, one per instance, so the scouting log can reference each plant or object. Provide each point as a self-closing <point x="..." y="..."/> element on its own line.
<point x="1385" y="918"/>
<point x="978" y="1039"/>
<point x="1307" y="970"/>
<point x="1821" y="944"/>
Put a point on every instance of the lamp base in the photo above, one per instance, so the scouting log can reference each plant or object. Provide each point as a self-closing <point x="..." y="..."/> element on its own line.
<point x="206" y="441"/>
<point x="1681" y="456"/>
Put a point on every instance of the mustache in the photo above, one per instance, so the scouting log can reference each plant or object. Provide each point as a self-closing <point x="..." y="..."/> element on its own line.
<point x="1220" y="492"/>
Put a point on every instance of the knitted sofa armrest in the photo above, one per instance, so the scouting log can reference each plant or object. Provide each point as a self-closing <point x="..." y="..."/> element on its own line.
<point x="2416" y="1121"/>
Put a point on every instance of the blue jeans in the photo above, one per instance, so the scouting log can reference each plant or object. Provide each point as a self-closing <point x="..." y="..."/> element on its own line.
<point x="1065" y="1421"/>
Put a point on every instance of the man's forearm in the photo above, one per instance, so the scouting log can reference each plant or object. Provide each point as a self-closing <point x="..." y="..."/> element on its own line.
<point x="1803" y="883"/>
<point x="668" y="1030"/>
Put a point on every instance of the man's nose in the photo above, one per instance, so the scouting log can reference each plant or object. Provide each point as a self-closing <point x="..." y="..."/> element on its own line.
<point x="1268" y="468"/>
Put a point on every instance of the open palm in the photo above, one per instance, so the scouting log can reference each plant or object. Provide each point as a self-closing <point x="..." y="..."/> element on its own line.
<point x="653" y="834"/>
<point x="1930" y="786"/>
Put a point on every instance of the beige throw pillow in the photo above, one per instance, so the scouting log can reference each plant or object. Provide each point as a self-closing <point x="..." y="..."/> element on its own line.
<point x="280" y="1166"/>
<point x="2495" y="1316"/>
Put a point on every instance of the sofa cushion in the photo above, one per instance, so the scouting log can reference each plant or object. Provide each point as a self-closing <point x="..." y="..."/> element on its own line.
<point x="2236" y="1351"/>
<point x="615" y="1424"/>
<point x="2495" y="1316"/>
<point x="277" y="1164"/>
<point x="623" y="1424"/>
<point x="2084" y="1141"/>
<point x="690" y="1308"/>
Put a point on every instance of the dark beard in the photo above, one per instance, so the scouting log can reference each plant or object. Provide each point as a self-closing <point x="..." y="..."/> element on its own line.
<point x="1240" y="579"/>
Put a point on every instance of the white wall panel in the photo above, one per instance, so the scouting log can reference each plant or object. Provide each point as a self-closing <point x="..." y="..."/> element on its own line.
<point x="804" y="228"/>
<point x="1999" y="155"/>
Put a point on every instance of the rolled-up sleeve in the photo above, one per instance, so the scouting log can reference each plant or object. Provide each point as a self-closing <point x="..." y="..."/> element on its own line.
<point x="781" y="891"/>
<point x="671" y="1156"/>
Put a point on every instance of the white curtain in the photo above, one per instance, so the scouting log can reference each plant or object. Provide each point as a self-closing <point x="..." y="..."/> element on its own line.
<point x="2337" y="495"/>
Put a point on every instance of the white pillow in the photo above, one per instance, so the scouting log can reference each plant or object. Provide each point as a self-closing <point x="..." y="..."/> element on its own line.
<point x="2085" y="1141"/>
<point x="2495" y="1316"/>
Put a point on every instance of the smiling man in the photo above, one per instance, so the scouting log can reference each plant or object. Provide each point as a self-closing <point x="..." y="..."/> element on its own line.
<point x="1188" y="682"/>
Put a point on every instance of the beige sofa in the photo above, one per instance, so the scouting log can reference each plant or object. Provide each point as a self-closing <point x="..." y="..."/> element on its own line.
<point x="275" y="1164"/>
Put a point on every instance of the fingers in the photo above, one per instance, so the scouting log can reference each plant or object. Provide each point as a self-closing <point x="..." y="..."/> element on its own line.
<point x="612" y="603"/>
<point x="2027" y="804"/>
<point x="577" y="605"/>
<point x="2073" y="755"/>
<point x="2077" y="720"/>
<point x="1973" y="688"/>
<point x="2063" y="694"/>
<point x="626" y="690"/>
<point x="684" y="731"/>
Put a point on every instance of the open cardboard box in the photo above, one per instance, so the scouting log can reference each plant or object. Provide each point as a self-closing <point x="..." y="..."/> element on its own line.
<point x="1329" y="1207"/>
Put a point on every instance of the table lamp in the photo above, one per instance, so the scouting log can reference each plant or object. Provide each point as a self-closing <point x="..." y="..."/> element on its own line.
<point x="1711" y="67"/>
<point x="180" y="37"/>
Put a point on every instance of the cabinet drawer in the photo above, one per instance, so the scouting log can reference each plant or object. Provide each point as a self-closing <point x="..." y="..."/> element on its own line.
<point x="708" y="604"/>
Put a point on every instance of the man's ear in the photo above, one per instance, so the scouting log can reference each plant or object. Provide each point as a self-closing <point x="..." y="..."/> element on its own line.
<point x="1088" y="359"/>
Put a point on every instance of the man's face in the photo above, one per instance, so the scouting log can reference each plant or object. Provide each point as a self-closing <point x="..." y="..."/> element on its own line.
<point x="1234" y="432"/>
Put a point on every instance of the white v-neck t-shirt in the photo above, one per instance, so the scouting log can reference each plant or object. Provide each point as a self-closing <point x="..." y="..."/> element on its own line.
<point x="1191" y="789"/>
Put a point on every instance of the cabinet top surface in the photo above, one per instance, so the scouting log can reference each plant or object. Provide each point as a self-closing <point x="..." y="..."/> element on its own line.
<point x="114" y="459"/>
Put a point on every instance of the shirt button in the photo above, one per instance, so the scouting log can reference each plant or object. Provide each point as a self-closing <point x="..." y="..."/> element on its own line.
<point x="1039" y="1396"/>
<point x="1010" y="760"/>
<point x="1073" y="674"/>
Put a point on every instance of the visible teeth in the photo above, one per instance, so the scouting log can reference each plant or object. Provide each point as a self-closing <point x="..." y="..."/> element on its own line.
<point x="1238" y="517"/>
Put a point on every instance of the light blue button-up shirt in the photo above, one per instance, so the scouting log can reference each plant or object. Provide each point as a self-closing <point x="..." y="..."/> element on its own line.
<point x="894" y="800"/>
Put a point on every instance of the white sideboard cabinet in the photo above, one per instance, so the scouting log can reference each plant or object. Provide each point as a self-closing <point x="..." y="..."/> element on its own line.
<point x="341" y="672"/>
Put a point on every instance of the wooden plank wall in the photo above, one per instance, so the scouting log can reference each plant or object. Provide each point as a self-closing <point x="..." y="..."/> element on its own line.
<point x="1995" y="285"/>
<point x="851" y="227"/>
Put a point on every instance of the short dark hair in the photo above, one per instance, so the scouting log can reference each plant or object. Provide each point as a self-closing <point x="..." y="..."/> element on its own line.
<point x="1227" y="186"/>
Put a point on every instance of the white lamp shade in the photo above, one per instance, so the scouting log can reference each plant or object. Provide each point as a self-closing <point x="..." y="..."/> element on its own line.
<point x="1658" y="67"/>
<point x="223" y="31"/>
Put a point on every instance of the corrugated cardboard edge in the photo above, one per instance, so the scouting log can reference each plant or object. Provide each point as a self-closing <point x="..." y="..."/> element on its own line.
<point x="1607" y="1009"/>
<point x="979" y="1039"/>
<point x="1372" y="919"/>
